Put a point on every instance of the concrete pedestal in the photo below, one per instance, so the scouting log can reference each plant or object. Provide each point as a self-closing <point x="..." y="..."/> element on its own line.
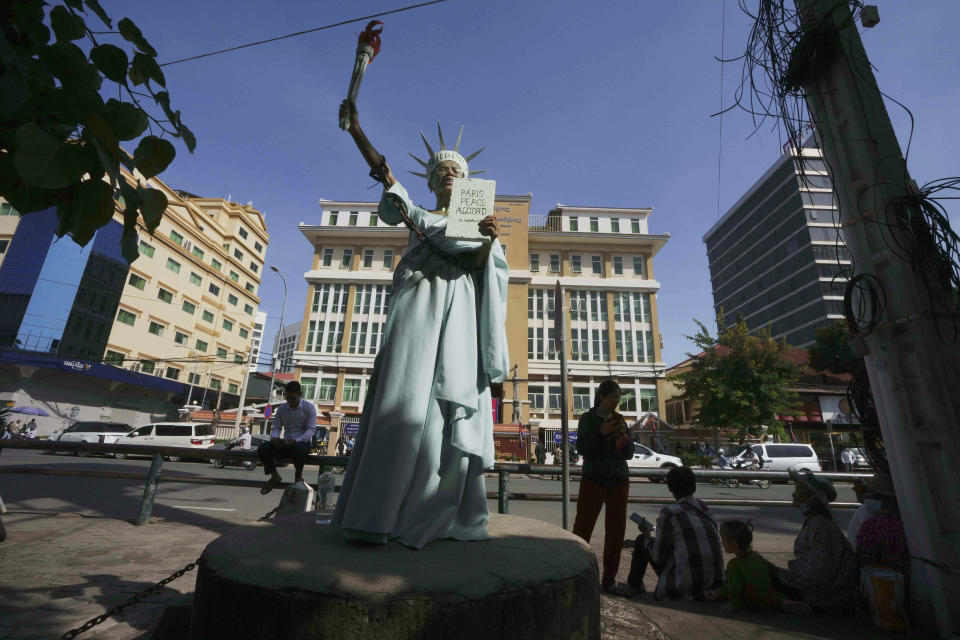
<point x="295" y="580"/>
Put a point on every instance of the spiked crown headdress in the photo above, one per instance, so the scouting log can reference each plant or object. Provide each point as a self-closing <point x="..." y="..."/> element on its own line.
<point x="436" y="157"/>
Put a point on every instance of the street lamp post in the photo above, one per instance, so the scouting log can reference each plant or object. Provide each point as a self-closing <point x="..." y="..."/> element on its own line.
<point x="283" y="309"/>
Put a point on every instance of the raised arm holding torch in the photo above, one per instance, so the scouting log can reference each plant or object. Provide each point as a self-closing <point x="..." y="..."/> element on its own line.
<point x="368" y="46"/>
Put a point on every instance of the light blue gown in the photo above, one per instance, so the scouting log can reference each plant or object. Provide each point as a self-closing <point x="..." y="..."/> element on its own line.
<point x="426" y="434"/>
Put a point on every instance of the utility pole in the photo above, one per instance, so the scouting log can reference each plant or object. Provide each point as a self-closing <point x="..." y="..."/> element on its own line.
<point x="913" y="373"/>
<point x="243" y="394"/>
<point x="559" y="341"/>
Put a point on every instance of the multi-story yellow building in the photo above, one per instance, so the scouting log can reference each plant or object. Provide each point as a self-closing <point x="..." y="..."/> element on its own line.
<point x="602" y="257"/>
<point x="193" y="293"/>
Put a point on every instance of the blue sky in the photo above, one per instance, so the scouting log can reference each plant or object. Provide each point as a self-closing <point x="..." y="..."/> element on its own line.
<point x="584" y="103"/>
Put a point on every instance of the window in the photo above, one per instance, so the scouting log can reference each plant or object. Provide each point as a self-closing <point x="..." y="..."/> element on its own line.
<point x="248" y="309"/>
<point x="258" y="247"/>
<point x="156" y="328"/>
<point x="165" y="295"/>
<point x="189" y="307"/>
<point x="581" y="399"/>
<point x="195" y="279"/>
<point x="3" y="246"/>
<point x="221" y="352"/>
<point x="254" y="267"/>
<point x="351" y="390"/>
<point x="615" y="225"/>
<point x="535" y="396"/>
<point x="332" y="221"/>
<point x="238" y="254"/>
<point x="573" y="223"/>
<point x="126" y="317"/>
<point x="554" y="263"/>
<point x="237" y="358"/>
<point x="648" y="399"/>
<point x="353" y="218"/>
<point x="596" y="266"/>
<point x="347" y="261"/>
<point x="634" y="225"/>
<point x="146" y="249"/>
<point x="193" y="378"/>
<point x="137" y="281"/>
<point x="201" y="346"/>
<point x="244" y="333"/>
<point x="575" y="264"/>
<point x="228" y="324"/>
<point x="7" y="210"/>
<point x="374" y="218"/>
<point x="232" y="387"/>
<point x="535" y="262"/>
<point x="628" y="400"/>
<point x="594" y="224"/>
<point x="234" y="276"/>
<point x="180" y="337"/>
<point x="328" y="387"/>
<point x="215" y="383"/>
<point x="198" y="253"/>
<point x="388" y="259"/>
<point x="177" y="238"/>
<point x="243" y="233"/>
<point x="114" y="357"/>
<point x="232" y="299"/>
<point x="147" y="366"/>
<point x="249" y="287"/>
<point x="207" y="316"/>
<point x="216" y="264"/>
<point x="173" y="373"/>
<point x="368" y="259"/>
<point x="618" y="265"/>
<point x="639" y="268"/>
<point x="226" y="247"/>
<point x="327" y="257"/>
<point x="213" y="289"/>
<point x="173" y="265"/>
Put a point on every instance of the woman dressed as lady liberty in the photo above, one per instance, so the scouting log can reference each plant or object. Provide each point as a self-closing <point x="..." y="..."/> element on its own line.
<point x="426" y="433"/>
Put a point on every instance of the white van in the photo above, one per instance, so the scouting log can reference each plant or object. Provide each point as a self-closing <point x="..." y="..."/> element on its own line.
<point x="92" y="431"/>
<point x="197" y="435"/>
<point x="784" y="457"/>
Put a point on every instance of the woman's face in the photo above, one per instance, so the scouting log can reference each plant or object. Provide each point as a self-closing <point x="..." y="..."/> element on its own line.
<point x="441" y="178"/>
<point x="610" y="402"/>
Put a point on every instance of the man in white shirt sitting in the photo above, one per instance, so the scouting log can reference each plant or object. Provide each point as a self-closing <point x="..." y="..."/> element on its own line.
<point x="298" y="421"/>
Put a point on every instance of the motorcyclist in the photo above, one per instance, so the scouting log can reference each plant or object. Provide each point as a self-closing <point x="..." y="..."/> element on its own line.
<point x="245" y="440"/>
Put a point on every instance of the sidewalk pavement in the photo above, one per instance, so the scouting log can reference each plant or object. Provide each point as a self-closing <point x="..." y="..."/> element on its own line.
<point x="61" y="570"/>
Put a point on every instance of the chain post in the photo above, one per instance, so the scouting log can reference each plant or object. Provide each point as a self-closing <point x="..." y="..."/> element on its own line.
<point x="150" y="489"/>
<point x="503" y="491"/>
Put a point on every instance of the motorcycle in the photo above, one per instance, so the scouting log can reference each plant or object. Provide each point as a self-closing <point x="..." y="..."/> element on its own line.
<point x="220" y="463"/>
<point x="746" y="465"/>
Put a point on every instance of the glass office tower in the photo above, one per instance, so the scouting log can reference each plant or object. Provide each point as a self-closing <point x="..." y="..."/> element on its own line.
<point x="57" y="297"/>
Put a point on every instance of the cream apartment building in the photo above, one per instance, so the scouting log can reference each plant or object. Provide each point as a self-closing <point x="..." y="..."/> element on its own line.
<point x="602" y="257"/>
<point x="189" y="304"/>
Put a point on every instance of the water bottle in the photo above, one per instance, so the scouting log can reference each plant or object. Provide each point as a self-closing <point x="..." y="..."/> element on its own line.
<point x="325" y="486"/>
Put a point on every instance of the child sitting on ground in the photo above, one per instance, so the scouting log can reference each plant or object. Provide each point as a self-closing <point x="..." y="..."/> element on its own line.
<point x="749" y="585"/>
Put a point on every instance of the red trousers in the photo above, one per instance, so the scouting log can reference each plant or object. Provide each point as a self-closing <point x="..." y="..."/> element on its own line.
<point x="591" y="498"/>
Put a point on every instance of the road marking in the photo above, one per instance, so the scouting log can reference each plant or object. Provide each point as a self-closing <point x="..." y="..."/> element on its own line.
<point x="186" y="506"/>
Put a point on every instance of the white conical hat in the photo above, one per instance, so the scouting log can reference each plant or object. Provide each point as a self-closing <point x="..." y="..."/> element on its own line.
<point x="436" y="157"/>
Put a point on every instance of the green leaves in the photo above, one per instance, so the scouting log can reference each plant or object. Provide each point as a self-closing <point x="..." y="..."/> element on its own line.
<point x="66" y="25"/>
<point x="153" y="155"/>
<point x="44" y="161"/>
<point x="111" y="61"/>
<point x="60" y="138"/>
<point x="132" y="34"/>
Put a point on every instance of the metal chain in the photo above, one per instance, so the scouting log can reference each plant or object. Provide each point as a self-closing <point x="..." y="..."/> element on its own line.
<point x="268" y="514"/>
<point x="73" y="633"/>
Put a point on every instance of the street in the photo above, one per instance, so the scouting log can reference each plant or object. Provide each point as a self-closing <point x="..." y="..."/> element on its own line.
<point x="215" y="506"/>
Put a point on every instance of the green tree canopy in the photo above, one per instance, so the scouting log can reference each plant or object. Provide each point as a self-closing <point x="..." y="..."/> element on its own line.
<point x="832" y="352"/>
<point x="740" y="381"/>
<point x="59" y="137"/>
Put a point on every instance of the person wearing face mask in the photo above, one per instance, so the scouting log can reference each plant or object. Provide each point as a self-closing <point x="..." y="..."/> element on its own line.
<point x="824" y="571"/>
<point x="877" y="496"/>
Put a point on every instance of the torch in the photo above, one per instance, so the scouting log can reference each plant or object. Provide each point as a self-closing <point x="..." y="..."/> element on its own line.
<point x="368" y="46"/>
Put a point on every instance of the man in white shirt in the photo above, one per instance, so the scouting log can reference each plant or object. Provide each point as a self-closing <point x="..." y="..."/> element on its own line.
<point x="847" y="457"/>
<point x="297" y="419"/>
<point x="245" y="440"/>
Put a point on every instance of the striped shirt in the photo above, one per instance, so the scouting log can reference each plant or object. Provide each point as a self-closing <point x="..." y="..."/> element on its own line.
<point x="687" y="548"/>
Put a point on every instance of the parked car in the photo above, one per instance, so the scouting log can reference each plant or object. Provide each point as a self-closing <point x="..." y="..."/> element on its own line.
<point x="92" y="431"/>
<point x="646" y="458"/>
<point x="196" y="435"/>
<point x="784" y="457"/>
